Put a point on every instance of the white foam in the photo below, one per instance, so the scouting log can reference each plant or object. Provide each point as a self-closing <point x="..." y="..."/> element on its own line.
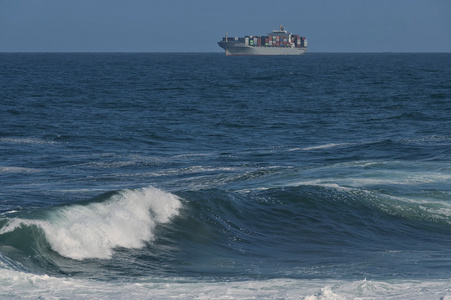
<point x="322" y="183"/>
<point x="30" y="286"/>
<point x="325" y="293"/>
<point x="126" y="220"/>
<point x="15" y="140"/>
<point x="325" y="146"/>
<point x="17" y="170"/>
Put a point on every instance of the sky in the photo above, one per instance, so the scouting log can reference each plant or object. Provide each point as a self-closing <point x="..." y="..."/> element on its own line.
<point x="197" y="25"/>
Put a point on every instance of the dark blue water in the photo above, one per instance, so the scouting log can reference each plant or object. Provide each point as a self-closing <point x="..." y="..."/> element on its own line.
<point x="323" y="175"/>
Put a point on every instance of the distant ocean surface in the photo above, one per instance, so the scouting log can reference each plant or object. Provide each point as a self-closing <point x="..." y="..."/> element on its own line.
<point x="196" y="175"/>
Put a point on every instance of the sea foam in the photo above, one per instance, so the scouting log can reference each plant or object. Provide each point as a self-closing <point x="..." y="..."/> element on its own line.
<point x="31" y="286"/>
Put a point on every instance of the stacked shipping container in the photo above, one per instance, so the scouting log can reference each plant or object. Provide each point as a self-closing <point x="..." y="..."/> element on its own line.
<point x="270" y="41"/>
<point x="278" y="41"/>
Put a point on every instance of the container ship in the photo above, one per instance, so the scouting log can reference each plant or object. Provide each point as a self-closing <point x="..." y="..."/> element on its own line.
<point x="278" y="42"/>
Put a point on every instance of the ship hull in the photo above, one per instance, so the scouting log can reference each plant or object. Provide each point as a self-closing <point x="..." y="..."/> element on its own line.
<point x="232" y="48"/>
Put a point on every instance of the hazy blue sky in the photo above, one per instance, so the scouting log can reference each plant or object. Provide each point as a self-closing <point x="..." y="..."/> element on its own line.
<point x="196" y="25"/>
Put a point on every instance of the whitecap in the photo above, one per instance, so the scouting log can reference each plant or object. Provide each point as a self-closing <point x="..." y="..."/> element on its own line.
<point x="325" y="146"/>
<point x="125" y="220"/>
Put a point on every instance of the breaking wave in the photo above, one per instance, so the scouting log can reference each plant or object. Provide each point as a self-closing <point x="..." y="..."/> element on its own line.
<point x="124" y="219"/>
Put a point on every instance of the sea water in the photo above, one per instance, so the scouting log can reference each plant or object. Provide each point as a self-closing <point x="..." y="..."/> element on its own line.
<point x="196" y="175"/>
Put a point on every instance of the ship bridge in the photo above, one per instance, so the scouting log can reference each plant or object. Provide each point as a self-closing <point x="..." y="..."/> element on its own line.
<point x="280" y="32"/>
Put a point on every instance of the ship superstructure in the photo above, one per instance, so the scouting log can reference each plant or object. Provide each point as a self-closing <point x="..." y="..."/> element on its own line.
<point x="277" y="42"/>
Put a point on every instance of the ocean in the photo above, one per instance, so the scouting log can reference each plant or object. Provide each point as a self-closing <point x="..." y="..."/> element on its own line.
<point x="197" y="175"/>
